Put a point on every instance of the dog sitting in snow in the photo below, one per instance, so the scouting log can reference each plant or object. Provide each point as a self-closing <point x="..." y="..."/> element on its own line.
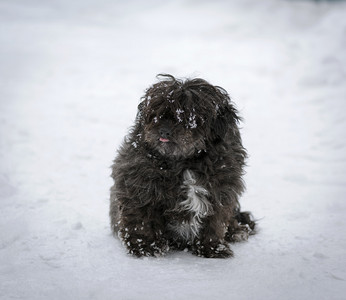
<point x="178" y="174"/>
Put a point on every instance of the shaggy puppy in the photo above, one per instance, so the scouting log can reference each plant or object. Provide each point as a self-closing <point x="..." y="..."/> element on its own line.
<point x="178" y="174"/>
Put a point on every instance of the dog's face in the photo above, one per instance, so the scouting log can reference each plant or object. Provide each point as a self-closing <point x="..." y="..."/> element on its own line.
<point x="180" y="119"/>
<point x="170" y="138"/>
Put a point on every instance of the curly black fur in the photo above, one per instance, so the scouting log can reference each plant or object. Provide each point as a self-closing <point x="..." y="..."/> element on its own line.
<point x="178" y="174"/>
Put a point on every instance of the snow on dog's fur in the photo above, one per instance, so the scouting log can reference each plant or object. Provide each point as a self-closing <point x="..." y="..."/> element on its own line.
<point x="178" y="174"/>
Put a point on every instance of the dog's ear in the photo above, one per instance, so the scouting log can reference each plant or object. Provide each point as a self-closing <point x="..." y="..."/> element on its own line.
<point x="140" y="111"/>
<point x="225" y="119"/>
<point x="140" y="106"/>
<point x="219" y="128"/>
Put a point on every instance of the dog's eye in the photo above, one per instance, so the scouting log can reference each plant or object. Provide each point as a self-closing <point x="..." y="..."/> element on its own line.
<point x="152" y="119"/>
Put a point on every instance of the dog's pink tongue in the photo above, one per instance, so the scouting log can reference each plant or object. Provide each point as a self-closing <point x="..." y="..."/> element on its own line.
<point x="164" y="140"/>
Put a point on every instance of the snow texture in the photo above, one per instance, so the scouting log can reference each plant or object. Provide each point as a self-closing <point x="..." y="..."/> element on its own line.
<point x="71" y="76"/>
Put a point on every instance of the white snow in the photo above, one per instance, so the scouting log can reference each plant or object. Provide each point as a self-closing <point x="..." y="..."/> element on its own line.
<point x="71" y="77"/>
<point x="179" y="112"/>
<point x="192" y="121"/>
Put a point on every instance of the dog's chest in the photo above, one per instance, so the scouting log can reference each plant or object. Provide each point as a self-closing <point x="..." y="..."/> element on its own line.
<point x="195" y="206"/>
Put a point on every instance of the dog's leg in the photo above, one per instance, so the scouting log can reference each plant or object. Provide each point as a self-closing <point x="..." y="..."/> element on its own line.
<point x="141" y="236"/>
<point x="211" y="242"/>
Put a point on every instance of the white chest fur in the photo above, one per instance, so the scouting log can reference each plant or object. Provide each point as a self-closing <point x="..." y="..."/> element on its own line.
<point x="196" y="204"/>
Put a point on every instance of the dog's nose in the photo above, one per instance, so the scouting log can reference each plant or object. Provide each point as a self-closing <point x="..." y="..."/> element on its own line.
<point x="165" y="132"/>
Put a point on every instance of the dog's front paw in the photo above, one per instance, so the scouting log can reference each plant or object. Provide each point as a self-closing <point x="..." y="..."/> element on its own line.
<point x="141" y="248"/>
<point x="212" y="250"/>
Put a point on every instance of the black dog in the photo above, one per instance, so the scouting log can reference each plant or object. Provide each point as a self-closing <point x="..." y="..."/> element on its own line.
<point x="178" y="174"/>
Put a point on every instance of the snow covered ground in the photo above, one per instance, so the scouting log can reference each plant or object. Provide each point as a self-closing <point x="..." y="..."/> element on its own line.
<point x="71" y="75"/>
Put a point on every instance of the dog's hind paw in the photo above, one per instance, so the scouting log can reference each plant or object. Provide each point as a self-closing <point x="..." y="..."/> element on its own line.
<point x="239" y="234"/>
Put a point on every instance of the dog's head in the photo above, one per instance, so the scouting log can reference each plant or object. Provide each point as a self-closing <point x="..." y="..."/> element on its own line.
<point x="179" y="119"/>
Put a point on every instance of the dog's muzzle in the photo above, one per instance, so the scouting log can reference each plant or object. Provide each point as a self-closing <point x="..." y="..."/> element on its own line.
<point x="165" y="134"/>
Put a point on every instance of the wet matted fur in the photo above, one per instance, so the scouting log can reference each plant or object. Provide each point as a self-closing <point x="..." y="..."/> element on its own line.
<point x="178" y="174"/>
